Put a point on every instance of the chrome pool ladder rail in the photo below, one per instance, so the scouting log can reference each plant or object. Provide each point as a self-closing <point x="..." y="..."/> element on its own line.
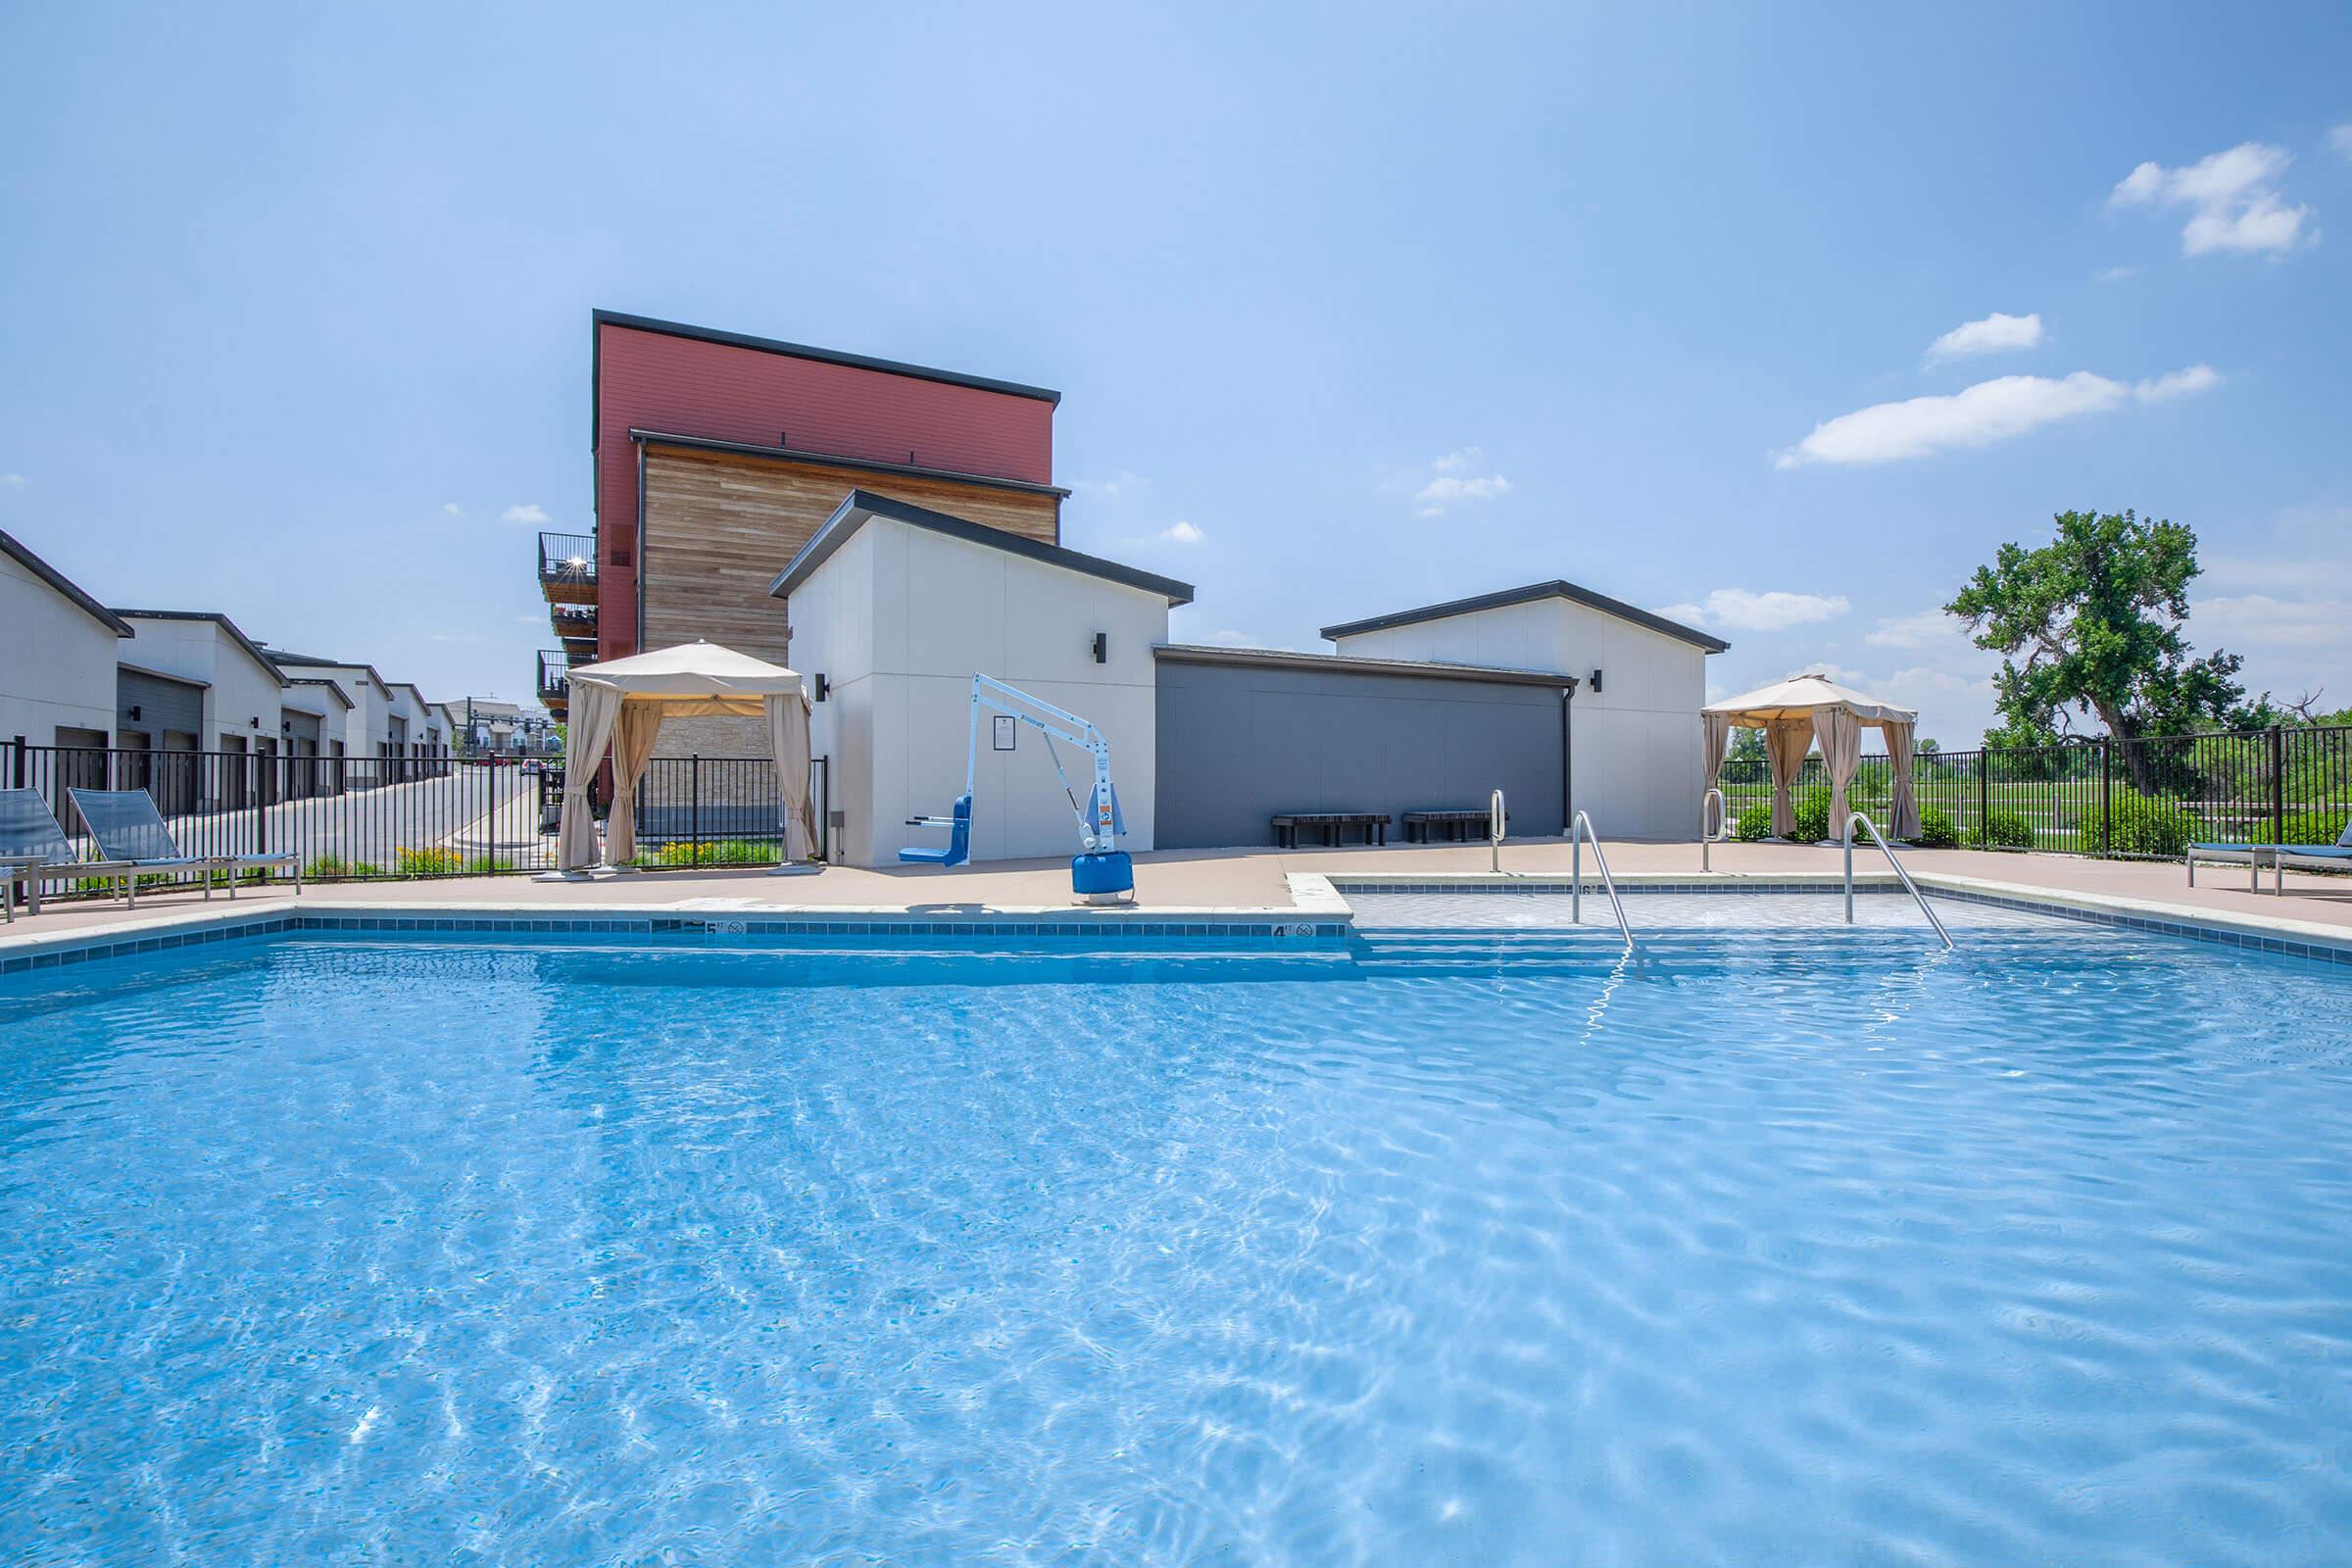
<point x="1720" y="832"/>
<point x="1579" y="831"/>
<point x="1905" y="876"/>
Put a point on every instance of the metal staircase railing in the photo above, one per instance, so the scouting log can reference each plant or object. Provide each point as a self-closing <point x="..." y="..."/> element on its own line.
<point x="1579" y="831"/>
<point x="1909" y="886"/>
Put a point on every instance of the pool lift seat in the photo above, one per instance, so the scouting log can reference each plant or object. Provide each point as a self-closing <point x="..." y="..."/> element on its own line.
<point x="959" y="836"/>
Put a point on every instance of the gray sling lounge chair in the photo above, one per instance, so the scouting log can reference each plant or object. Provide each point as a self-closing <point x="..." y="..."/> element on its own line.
<point x="2278" y="855"/>
<point x="35" y="849"/>
<point x="129" y="827"/>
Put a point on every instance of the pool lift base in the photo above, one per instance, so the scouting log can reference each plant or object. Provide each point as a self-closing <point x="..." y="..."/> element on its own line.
<point x="1101" y="872"/>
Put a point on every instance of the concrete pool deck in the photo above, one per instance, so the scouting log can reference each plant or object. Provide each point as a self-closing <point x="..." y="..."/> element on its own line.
<point x="1252" y="886"/>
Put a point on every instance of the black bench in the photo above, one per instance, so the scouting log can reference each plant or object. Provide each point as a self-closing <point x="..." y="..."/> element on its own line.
<point x="1332" y="827"/>
<point x="1422" y="827"/>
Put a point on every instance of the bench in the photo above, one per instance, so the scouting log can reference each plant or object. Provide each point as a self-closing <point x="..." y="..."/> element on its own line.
<point x="1332" y="827"/>
<point x="1422" y="827"/>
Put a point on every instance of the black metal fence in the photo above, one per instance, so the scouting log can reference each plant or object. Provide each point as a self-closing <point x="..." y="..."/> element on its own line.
<point x="2129" y="799"/>
<point x="411" y="817"/>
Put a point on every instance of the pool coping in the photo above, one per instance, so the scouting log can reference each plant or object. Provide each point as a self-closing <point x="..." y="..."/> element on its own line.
<point x="1318" y="913"/>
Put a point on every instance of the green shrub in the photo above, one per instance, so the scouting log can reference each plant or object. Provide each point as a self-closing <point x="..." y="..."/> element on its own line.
<point x="1812" y="815"/>
<point x="1935" y="830"/>
<point x="724" y="851"/>
<point x="445" y="862"/>
<point x="2139" y="825"/>
<point x="2002" y="830"/>
<point x="2312" y="827"/>
<point x="428" y="862"/>
<point x="1754" y="826"/>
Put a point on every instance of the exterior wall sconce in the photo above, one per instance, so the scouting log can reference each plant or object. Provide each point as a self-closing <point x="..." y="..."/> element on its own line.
<point x="1102" y="648"/>
<point x="824" y="687"/>
<point x="1597" y="681"/>
<point x="134" y="710"/>
<point x="257" y="721"/>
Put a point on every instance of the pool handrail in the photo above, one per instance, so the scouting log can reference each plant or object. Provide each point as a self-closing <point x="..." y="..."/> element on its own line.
<point x="1723" y="825"/>
<point x="1497" y="817"/>
<point x="1909" y="886"/>
<point x="1580" y="830"/>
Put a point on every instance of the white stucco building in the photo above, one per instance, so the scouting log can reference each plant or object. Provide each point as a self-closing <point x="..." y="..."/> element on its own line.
<point x="57" y="655"/>
<point x="1642" y="680"/>
<point x="366" y="724"/>
<point x="242" y="686"/>
<point x="895" y="606"/>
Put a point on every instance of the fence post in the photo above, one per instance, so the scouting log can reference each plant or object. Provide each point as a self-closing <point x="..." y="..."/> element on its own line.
<point x="2106" y="798"/>
<point x="1985" y="796"/>
<point x="17" y="768"/>
<point x="694" y="817"/>
<point x="2278" y="785"/>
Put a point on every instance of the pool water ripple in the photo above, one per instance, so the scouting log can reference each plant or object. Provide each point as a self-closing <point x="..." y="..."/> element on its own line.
<point x="367" y="1252"/>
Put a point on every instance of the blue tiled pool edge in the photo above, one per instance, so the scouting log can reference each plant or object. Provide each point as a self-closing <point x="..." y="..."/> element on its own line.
<point x="1087" y="932"/>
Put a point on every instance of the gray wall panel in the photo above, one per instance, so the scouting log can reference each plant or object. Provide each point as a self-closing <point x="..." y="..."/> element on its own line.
<point x="163" y="704"/>
<point x="1239" y="743"/>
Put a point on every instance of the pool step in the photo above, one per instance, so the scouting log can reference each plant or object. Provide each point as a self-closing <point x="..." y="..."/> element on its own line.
<point x="1523" y="949"/>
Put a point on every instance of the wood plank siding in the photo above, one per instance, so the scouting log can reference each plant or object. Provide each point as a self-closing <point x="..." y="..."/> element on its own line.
<point x="718" y="526"/>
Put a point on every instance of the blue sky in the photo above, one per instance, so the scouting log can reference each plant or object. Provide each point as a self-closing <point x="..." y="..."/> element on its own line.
<point x="1352" y="309"/>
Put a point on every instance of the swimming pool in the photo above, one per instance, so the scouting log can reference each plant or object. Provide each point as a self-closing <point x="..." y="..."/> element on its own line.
<point x="1455" y="1246"/>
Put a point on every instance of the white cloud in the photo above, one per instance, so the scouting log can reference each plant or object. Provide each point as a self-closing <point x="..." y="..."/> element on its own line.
<point x="1995" y="334"/>
<point x="1235" y="639"/>
<point x="1922" y="628"/>
<point x="525" y="511"/>
<point x="2252" y="620"/>
<point x="11" y="480"/>
<point x="1978" y="415"/>
<point x="2232" y="198"/>
<point x="1740" y="610"/>
<point x="2340" y="138"/>
<point x="2178" y="384"/>
<point x="1457" y="480"/>
<point x="1182" y="533"/>
<point x="2111" y="274"/>
<point x="452" y="508"/>
<point x="1122" y="483"/>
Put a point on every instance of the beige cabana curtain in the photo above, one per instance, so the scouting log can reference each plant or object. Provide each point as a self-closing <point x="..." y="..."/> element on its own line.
<point x="1717" y="729"/>
<point x="632" y="748"/>
<point x="1785" y="742"/>
<point x="594" y="711"/>
<point x="788" y="738"/>
<point x="618" y="710"/>
<point x="1899" y="755"/>
<point x="1840" y="736"/>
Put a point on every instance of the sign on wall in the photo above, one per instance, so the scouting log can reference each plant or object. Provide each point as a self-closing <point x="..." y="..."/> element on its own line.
<point x="1006" y="727"/>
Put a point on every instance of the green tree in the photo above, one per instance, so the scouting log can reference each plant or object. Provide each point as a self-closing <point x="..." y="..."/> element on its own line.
<point x="2094" y="621"/>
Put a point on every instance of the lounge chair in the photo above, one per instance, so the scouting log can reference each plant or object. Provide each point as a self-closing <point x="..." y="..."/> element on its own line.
<point x="35" y="849"/>
<point x="128" y="828"/>
<point x="2275" y="856"/>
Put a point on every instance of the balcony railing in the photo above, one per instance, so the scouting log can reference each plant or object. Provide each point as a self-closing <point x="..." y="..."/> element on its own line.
<point x="555" y="676"/>
<point x="576" y="628"/>
<point x="567" y="567"/>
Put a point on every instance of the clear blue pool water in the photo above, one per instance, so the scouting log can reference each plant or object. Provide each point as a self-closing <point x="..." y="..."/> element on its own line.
<point x="1462" y="1249"/>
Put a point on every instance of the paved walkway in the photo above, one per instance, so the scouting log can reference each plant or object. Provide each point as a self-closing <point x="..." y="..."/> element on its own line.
<point x="1256" y="879"/>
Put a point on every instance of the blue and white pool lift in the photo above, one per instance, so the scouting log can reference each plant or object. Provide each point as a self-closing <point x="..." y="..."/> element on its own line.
<point x="1101" y="872"/>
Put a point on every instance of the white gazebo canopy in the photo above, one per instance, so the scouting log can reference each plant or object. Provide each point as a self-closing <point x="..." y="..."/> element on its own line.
<point x="1795" y="713"/>
<point x="619" y="707"/>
